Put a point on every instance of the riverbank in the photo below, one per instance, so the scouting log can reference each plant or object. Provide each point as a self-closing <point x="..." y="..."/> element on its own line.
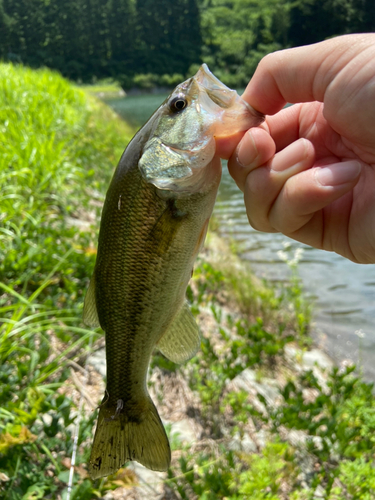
<point x="250" y="416"/>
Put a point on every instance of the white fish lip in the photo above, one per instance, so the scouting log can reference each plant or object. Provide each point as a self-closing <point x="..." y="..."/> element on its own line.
<point x="222" y="95"/>
<point x="235" y="115"/>
<point x="212" y="85"/>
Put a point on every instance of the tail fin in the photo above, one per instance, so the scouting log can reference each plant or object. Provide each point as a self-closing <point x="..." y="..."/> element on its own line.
<point x="119" y="439"/>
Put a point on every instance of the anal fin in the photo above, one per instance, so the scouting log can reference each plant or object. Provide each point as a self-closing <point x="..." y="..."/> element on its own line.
<point x="182" y="339"/>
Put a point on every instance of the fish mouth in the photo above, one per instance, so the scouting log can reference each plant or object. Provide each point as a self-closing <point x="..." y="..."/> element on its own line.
<point x="183" y="144"/>
<point x="226" y="97"/>
<point x="228" y="112"/>
<point x="218" y="92"/>
<point x="205" y="81"/>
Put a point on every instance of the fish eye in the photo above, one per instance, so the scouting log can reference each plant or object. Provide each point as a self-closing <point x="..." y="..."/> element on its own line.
<point x="178" y="104"/>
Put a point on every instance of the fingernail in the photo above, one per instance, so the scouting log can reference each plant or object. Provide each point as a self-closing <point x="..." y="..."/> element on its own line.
<point x="247" y="151"/>
<point x="338" y="173"/>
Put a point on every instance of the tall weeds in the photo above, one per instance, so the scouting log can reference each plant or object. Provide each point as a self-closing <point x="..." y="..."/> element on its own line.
<point x="58" y="150"/>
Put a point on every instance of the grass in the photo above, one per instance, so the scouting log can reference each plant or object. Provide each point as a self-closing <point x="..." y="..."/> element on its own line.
<point x="58" y="151"/>
<point x="106" y="87"/>
<point x="59" y="148"/>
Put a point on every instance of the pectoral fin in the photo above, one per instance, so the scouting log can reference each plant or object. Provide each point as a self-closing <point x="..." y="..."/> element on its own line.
<point x="90" y="313"/>
<point x="182" y="339"/>
<point x="163" y="232"/>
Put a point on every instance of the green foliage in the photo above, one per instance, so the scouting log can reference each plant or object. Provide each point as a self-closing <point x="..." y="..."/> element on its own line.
<point x="82" y="39"/>
<point x="293" y="291"/>
<point x="256" y="299"/>
<point x="342" y="414"/>
<point x="147" y="81"/>
<point x="357" y="480"/>
<point x="204" y="476"/>
<point x="52" y="136"/>
<point x="336" y="17"/>
<point x="142" y="43"/>
<point x="257" y="477"/>
<point x="50" y="148"/>
<point x="339" y="419"/>
<point x="169" y="35"/>
<point x="90" y="39"/>
<point x="263" y="479"/>
<point x="238" y="33"/>
<point x="250" y="344"/>
<point x="36" y="417"/>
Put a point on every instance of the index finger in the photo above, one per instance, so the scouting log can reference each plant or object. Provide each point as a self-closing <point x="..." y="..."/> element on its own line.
<point x="303" y="74"/>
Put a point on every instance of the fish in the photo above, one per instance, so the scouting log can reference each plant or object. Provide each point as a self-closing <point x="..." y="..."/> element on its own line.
<point x="153" y="225"/>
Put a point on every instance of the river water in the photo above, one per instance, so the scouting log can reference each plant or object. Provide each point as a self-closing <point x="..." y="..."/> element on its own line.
<point x="343" y="293"/>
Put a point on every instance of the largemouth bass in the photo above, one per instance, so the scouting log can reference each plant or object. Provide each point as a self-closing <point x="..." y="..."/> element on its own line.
<point x="154" y="222"/>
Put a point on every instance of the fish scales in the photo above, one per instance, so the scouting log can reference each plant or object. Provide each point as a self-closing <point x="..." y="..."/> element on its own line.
<point x="153" y="225"/>
<point x="139" y="268"/>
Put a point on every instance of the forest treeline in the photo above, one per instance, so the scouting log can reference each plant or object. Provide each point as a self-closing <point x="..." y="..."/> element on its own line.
<point x="146" y="42"/>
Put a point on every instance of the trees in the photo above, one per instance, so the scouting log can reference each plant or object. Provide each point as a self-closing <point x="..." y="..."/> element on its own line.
<point x="95" y="38"/>
<point x="123" y="41"/>
<point x="80" y="38"/>
<point x="169" y="35"/>
<point x="315" y="20"/>
<point x="237" y="33"/>
<point x="144" y="40"/>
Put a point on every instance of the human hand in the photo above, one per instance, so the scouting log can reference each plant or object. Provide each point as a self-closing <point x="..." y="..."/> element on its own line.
<point x="309" y="170"/>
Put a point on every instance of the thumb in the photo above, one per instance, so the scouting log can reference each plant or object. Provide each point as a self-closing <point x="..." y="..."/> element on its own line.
<point x="303" y="74"/>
